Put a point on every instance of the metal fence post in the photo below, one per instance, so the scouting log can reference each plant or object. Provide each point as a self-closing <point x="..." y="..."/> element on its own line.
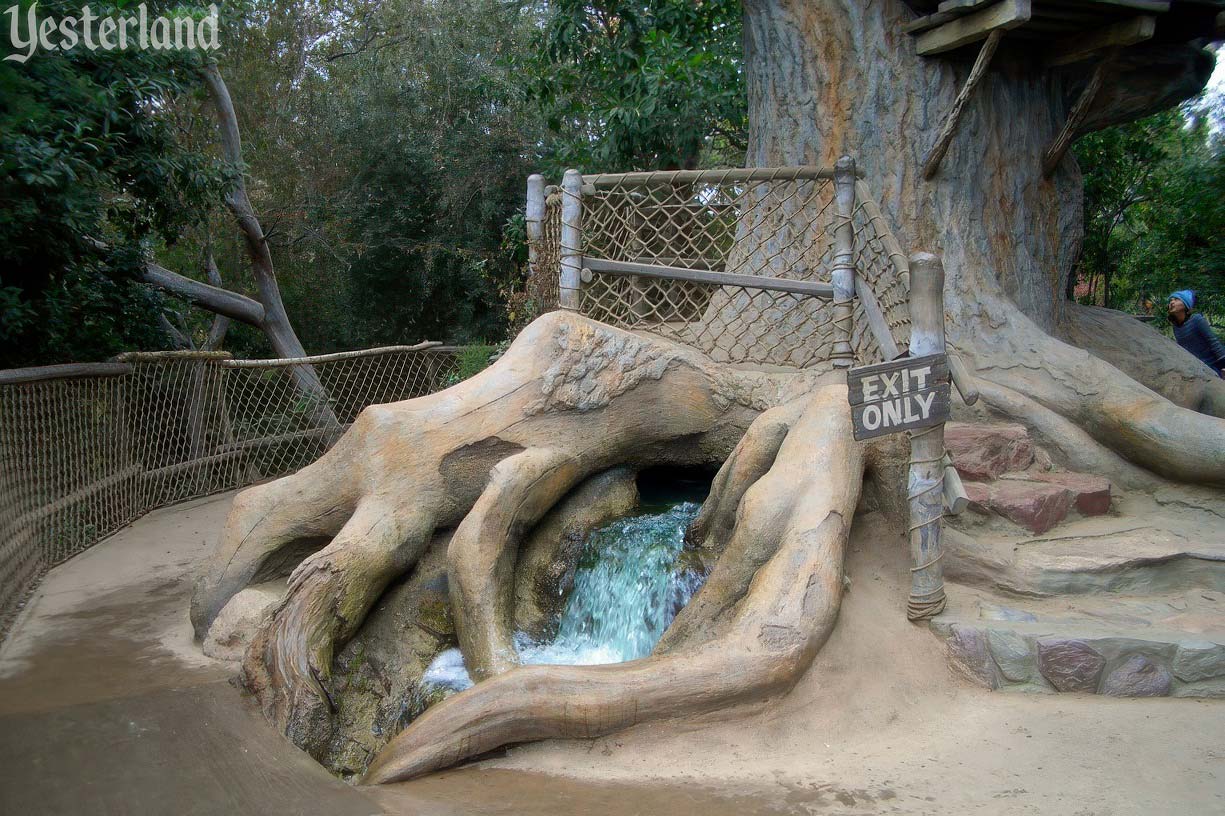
<point x="570" y="286"/>
<point x="925" y="486"/>
<point x="841" y="354"/>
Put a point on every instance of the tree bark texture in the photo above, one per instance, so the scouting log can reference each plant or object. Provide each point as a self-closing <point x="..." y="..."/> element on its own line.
<point x="827" y="79"/>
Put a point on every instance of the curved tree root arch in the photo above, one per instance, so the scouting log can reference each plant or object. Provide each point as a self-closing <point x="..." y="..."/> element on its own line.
<point x="488" y="458"/>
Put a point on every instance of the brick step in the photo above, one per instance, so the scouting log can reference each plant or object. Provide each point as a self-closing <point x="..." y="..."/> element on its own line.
<point x="985" y="451"/>
<point x="1168" y="644"/>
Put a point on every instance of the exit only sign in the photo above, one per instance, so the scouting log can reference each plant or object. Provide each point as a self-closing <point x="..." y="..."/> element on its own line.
<point x="901" y="395"/>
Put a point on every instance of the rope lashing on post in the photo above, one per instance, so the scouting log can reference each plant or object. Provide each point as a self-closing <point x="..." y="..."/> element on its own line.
<point x="921" y="605"/>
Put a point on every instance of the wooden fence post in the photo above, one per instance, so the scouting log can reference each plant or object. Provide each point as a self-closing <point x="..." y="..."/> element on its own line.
<point x="570" y="286"/>
<point x="925" y="485"/>
<point x="844" y="262"/>
<point x="535" y="221"/>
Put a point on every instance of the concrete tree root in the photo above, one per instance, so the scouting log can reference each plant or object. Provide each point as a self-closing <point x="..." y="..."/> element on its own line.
<point x="800" y="510"/>
<point x="485" y="461"/>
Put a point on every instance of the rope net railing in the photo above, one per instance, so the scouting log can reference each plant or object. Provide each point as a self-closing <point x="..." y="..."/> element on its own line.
<point x="86" y="450"/>
<point x="752" y="228"/>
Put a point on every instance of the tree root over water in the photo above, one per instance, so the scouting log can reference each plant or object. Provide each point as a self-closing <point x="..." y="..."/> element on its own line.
<point x="487" y="459"/>
<point x="800" y="509"/>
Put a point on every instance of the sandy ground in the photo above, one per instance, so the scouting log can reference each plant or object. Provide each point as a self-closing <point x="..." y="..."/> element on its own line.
<point x="106" y="706"/>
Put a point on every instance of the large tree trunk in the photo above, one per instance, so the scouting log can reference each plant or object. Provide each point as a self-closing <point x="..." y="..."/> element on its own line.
<point x="832" y="78"/>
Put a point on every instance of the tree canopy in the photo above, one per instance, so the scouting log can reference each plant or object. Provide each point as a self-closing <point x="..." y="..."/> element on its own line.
<point x="387" y="143"/>
<point x="90" y="149"/>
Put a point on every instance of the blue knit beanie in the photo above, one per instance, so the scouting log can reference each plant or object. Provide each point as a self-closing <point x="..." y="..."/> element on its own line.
<point x="1186" y="296"/>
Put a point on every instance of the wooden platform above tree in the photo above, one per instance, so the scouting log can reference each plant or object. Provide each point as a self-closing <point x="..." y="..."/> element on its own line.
<point x="1064" y="31"/>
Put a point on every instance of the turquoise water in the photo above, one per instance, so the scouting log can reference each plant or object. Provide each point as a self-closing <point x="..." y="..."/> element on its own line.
<point x="628" y="586"/>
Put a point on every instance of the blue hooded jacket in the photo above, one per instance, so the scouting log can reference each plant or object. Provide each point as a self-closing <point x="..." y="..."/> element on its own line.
<point x="1196" y="335"/>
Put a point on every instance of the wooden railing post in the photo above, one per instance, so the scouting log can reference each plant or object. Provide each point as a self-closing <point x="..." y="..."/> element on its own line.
<point x="570" y="293"/>
<point x="925" y="486"/>
<point x="844" y="262"/>
<point x="534" y="221"/>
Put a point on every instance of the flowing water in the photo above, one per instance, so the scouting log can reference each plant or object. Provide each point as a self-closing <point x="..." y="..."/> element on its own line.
<point x="628" y="586"/>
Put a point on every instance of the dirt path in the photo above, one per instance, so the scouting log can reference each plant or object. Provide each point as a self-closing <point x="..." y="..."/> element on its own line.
<point x="106" y="706"/>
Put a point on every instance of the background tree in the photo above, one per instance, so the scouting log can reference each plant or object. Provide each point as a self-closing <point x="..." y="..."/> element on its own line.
<point x="641" y="85"/>
<point x="89" y="149"/>
<point x="1154" y="210"/>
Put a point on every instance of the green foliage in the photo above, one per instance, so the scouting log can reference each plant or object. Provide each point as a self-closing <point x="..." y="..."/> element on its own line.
<point x="438" y="157"/>
<point x="471" y="360"/>
<point x="1154" y="212"/>
<point x="387" y="145"/>
<point x="654" y="84"/>
<point x="88" y="150"/>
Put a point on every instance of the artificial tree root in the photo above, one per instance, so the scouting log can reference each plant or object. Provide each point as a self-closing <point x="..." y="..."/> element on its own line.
<point x="264" y="521"/>
<point x="747" y="499"/>
<point x="481" y="555"/>
<point x="1120" y="413"/>
<point x="786" y="614"/>
<point x="1147" y="356"/>
<point x="1070" y="443"/>
<point x="750" y="460"/>
<point x="488" y="457"/>
<point x="1123" y="415"/>
<point x="547" y="559"/>
<point x="329" y="595"/>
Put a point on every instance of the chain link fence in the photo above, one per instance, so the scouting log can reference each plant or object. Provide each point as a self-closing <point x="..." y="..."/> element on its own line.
<point x="87" y="449"/>
<point x="763" y="224"/>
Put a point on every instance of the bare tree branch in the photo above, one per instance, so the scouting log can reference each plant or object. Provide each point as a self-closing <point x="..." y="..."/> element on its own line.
<point x="180" y="340"/>
<point x="221" y="323"/>
<point x="214" y="298"/>
<point x="276" y="322"/>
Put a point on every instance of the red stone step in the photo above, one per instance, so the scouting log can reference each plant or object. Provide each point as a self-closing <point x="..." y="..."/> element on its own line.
<point x="1041" y="502"/>
<point x="988" y="450"/>
<point x="1091" y="494"/>
<point x="1036" y="506"/>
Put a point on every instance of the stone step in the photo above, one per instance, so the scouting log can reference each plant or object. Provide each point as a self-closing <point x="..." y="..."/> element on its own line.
<point x="1036" y="506"/>
<point x="1042" y="499"/>
<point x="1170" y="644"/>
<point x="1089" y="555"/>
<point x="985" y="451"/>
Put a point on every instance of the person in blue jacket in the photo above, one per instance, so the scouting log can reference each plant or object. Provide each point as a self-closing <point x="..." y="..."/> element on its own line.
<point x="1193" y="333"/>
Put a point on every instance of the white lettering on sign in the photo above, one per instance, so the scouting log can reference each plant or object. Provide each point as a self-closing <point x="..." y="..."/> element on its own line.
<point x="898" y="395"/>
<point x="908" y="408"/>
<point x="894" y="383"/>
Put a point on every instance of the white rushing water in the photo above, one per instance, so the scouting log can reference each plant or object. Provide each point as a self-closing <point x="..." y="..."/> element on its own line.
<point x="628" y="586"/>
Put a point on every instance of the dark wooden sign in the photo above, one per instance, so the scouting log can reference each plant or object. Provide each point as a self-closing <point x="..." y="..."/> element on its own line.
<point x="901" y="395"/>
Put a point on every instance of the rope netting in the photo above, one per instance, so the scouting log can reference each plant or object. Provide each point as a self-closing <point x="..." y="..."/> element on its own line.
<point x="81" y="457"/>
<point x="775" y="223"/>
